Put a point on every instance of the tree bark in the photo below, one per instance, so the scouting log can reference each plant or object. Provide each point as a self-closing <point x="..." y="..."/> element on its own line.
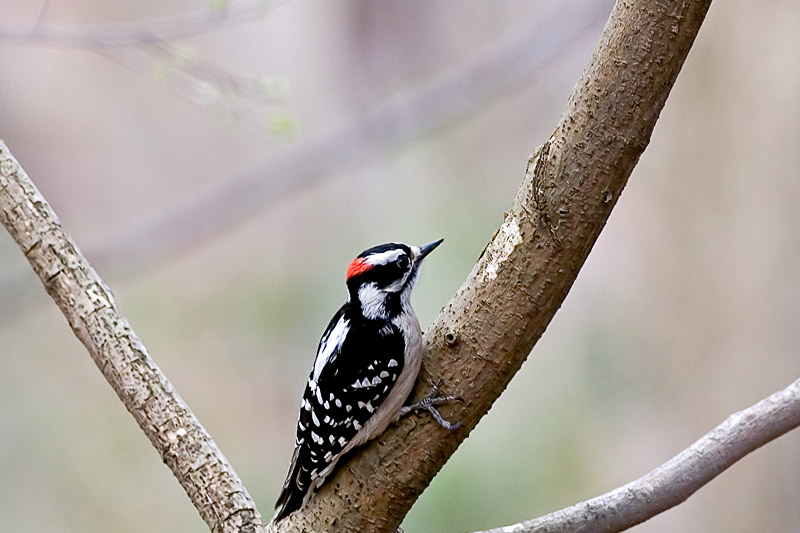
<point x="483" y="335"/>
<point x="87" y="303"/>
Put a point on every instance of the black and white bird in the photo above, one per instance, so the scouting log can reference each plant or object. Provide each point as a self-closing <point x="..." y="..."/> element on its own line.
<point x="366" y="365"/>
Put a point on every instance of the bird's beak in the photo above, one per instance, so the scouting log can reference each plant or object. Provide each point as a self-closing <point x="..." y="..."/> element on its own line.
<point x="426" y="249"/>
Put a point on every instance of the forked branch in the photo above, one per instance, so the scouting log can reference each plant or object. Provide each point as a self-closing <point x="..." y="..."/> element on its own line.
<point x="480" y="339"/>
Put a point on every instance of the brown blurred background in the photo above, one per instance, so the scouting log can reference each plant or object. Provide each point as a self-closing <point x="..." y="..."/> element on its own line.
<point x="226" y="246"/>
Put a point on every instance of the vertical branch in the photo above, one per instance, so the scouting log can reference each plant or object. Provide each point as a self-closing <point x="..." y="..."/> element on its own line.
<point x="86" y="301"/>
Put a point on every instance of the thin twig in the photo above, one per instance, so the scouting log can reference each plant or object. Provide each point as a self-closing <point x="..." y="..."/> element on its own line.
<point x="680" y="477"/>
<point x="134" y="33"/>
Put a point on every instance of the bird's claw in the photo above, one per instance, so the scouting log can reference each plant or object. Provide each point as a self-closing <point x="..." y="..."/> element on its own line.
<point x="429" y="402"/>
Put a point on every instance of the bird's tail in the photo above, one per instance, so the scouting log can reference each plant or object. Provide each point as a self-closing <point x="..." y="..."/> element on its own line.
<point x="295" y="488"/>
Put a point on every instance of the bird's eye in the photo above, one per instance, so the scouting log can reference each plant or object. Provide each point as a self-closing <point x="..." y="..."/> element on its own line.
<point x="402" y="262"/>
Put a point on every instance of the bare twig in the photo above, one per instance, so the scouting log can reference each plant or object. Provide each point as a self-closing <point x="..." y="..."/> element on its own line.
<point x="478" y="342"/>
<point x="133" y="33"/>
<point x="680" y="477"/>
<point x="87" y="303"/>
<point x="147" y="47"/>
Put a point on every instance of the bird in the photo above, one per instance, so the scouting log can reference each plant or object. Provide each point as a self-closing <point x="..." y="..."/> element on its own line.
<point x="366" y="365"/>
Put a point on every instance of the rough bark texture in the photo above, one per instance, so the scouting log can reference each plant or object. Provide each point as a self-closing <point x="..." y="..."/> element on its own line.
<point x="680" y="477"/>
<point x="481" y="338"/>
<point x="87" y="303"/>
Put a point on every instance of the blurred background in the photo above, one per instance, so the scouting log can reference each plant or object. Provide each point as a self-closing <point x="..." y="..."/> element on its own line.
<point x="222" y="179"/>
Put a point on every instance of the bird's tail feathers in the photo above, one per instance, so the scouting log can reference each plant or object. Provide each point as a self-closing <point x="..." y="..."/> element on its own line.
<point x="294" y="489"/>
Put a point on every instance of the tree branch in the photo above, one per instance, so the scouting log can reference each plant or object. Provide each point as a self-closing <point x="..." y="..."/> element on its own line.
<point x="86" y="301"/>
<point x="480" y="339"/>
<point x="680" y="477"/>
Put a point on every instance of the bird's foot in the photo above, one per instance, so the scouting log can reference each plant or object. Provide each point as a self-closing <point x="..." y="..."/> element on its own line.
<point x="429" y="403"/>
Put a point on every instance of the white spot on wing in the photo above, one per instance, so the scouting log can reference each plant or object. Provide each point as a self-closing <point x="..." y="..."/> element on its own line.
<point x="392" y="363"/>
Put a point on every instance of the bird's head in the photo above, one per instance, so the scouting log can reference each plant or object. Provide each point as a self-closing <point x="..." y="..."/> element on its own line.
<point x="380" y="279"/>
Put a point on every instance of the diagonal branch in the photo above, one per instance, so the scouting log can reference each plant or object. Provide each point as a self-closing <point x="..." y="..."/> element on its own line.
<point x="87" y="302"/>
<point x="481" y="338"/>
<point x="680" y="477"/>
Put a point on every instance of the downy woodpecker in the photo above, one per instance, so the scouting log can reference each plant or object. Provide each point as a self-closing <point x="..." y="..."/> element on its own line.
<point x="366" y="365"/>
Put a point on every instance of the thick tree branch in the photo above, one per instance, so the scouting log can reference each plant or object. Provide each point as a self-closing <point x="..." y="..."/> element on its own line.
<point x="680" y="477"/>
<point x="481" y="338"/>
<point x="87" y="302"/>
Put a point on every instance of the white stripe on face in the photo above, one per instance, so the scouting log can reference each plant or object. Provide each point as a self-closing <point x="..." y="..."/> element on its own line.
<point x="384" y="258"/>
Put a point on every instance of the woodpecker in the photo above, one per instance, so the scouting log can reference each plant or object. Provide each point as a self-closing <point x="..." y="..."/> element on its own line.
<point x="366" y="365"/>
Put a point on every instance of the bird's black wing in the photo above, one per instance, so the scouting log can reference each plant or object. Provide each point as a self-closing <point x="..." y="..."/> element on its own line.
<point x="357" y="364"/>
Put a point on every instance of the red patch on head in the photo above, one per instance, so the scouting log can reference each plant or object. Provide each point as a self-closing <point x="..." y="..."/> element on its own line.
<point x="358" y="266"/>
